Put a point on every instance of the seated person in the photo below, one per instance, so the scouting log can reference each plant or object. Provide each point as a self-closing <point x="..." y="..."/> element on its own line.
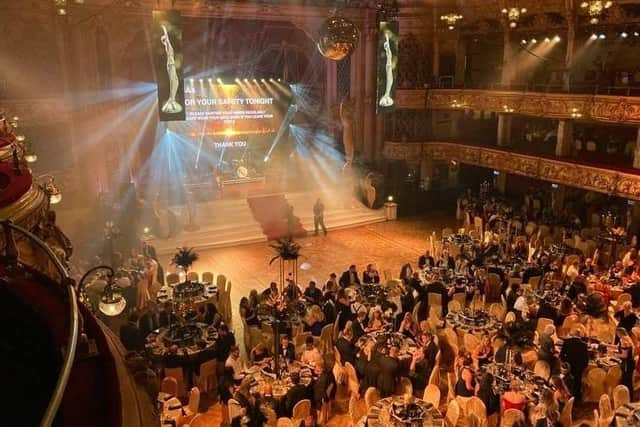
<point x="312" y="294"/>
<point x="587" y="268"/>
<point x="295" y="394"/>
<point x="626" y="318"/>
<point x="514" y="399"/>
<point x="426" y="260"/>
<point x="349" y="277"/>
<point x="271" y="293"/>
<point x="359" y="326"/>
<point x="311" y="355"/>
<point x="287" y="349"/>
<point x="370" y="275"/>
<point x="320" y="389"/>
<point x="345" y="345"/>
<point x="234" y="362"/>
<point x="292" y="291"/>
<point x="259" y="353"/>
<point x="376" y="322"/>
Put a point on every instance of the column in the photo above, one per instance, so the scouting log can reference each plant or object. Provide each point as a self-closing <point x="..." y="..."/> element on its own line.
<point x="358" y="75"/>
<point x="379" y="138"/>
<point x="565" y="144"/>
<point x="636" y="152"/>
<point x="504" y="130"/>
<point x="572" y="24"/>
<point x="461" y="61"/>
<point x="370" y="87"/>
<point x="506" y="55"/>
<point x="455" y="124"/>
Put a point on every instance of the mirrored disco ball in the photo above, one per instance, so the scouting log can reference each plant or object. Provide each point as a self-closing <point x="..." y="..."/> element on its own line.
<point x="338" y="38"/>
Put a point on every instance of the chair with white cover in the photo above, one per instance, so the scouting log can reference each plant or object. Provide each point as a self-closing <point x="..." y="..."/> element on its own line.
<point x="543" y="322"/>
<point x="452" y="337"/>
<point x="169" y="385"/>
<point x="620" y="396"/>
<point x="179" y="376"/>
<point x="498" y="311"/>
<point x="470" y="341"/>
<point x="208" y="378"/>
<point x="207" y="277"/>
<point x="301" y="410"/>
<point x="534" y="282"/>
<point x="434" y="378"/>
<point x="371" y="396"/>
<point x="461" y="297"/>
<point x="511" y="417"/>
<point x="326" y="338"/>
<point x="434" y="299"/>
<point x="404" y="387"/>
<point x="593" y="384"/>
<point x="432" y="395"/>
<point x="510" y="317"/>
<point x="454" y="306"/>
<point x="605" y="410"/>
<point x="566" y="416"/>
<point x="235" y="410"/>
<point x="475" y="406"/>
<point x="192" y="276"/>
<point x="352" y="379"/>
<point x="452" y="415"/>
<point x="194" y="400"/>
<point x="542" y="369"/>
<point x="474" y="421"/>
<point x="614" y="375"/>
<point x="354" y="413"/>
<point x="285" y="422"/>
<point x="451" y="386"/>
<point x="173" y="279"/>
<point x="199" y="421"/>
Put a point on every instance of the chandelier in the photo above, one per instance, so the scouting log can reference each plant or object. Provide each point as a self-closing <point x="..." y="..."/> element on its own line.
<point x="338" y="38"/>
<point x="451" y="19"/>
<point x="595" y="8"/>
<point x="513" y="15"/>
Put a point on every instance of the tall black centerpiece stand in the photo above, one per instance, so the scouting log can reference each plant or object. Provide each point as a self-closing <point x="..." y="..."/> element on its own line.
<point x="287" y="254"/>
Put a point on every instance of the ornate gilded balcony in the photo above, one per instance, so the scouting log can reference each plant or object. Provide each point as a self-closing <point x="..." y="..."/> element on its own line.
<point x="601" y="108"/>
<point x="620" y="183"/>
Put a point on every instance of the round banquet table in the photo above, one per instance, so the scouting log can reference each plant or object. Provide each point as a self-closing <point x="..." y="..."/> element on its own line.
<point x="262" y="374"/>
<point x="197" y="339"/>
<point x="406" y="345"/>
<point x="478" y="323"/>
<point x="197" y="293"/>
<point x="532" y="385"/>
<point x="380" y="414"/>
<point x="172" y="412"/>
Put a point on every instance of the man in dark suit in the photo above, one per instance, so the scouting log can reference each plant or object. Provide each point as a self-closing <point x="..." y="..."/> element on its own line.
<point x="225" y="342"/>
<point x="426" y="260"/>
<point x="346" y="348"/>
<point x="370" y="275"/>
<point x="575" y="352"/>
<point x="439" y="288"/>
<point x="423" y="362"/>
<point x="130" y="334"/>
<point x="287" y="349"/>
<point x="349" y="277"/>
<point x="295" y="394"/>
<point x="359" y="325"/>
<point x="312" y="294"/>
<point x="389" y="367"/>
<point x="321" y="390"/>
<point x="149" y="321"/>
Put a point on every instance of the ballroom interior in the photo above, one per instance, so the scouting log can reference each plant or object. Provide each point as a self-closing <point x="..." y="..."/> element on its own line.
<point x="289" y="213"/>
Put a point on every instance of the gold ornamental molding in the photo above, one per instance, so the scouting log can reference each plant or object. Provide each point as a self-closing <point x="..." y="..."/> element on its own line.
<point x="602" y="108"/>
<point x="602" y="180"/>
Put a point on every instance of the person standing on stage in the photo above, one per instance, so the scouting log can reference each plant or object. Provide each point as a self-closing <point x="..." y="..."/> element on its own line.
<point x="318" y="216"/>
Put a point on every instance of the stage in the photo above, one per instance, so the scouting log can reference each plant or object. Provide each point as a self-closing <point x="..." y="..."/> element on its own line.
<point x="260" y="217"/>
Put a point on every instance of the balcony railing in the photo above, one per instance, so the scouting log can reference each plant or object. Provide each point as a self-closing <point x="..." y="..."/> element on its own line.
<point x="622" y="182"/>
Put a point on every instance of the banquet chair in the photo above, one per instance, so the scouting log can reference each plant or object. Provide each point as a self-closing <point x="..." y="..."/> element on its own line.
<point x="510" y="317"/>
<point x="208" y="378"/>
<point x="371" y="396"/>
<point x="354" y="413"/>
<point x="534" y="282"/>
<point x="404" y="387"/>
<point x="453" y="413"/>
<point x="474" y="421"/>
<point x="530" y="228"/>
<point x="544" y="230"/>
<point x="566" y="416"/>
<point x="194" y="400"/>
<point x="352" y="379"/>
<point x="493" y="288"/>
<point x="454" y="306"/>
<point x="432" y="394"/>
<point x="446" y="232"/>
<point x="301" y="410"/>
<point x="604" y="407"/>
<point x="207" y="277"/>
<point x="199" y="421"/>
<point x="452" y="337"/>
<point x="622" y="298"/>
<point x="336" y="328"/>
<point x="475" y="406"/>
<point x="179" y="377"/>
<point x="593" y="384"/>
<point x="542" y="369"/>
<point x="614" y="375"/>
<point x="173" y="279"/>
<point x="169" y="385"/>
<point x="543" y="322"/>
<point x="299" y="340"/>
<point x="470" y="341"/>
<point x="620" y="396"/>
<point x="416" y="308"/>
<point x="478" y="225"/>
<point x="285" y="422"/>
<point x="192" y="276"/>
<point x="567" y="325"/>
<point x="461" y="297"/>
<point x="434" y="378"/>
<point x="234" y="408"/>
<point x="511" y="417"/>
<point x="497" y="310"/>
<point x="434" y="299"/>
<point x="326" y="338"/>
